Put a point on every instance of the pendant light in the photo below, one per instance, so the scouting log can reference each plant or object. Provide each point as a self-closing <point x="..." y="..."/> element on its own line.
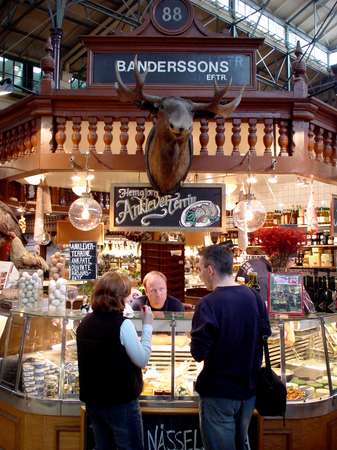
<point x="85" y="213"/>
<point x="249" y="214"/>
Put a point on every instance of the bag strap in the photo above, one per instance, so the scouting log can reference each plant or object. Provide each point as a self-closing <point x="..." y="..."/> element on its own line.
<point x="264" y="337"/>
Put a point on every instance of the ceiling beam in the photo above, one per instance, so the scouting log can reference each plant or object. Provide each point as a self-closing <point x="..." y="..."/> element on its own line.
<point x="298" y="11"/>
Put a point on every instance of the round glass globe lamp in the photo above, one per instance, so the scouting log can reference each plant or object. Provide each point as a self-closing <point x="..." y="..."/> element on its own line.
<point x="249" y="215"/>
<point x="85" y="213"/>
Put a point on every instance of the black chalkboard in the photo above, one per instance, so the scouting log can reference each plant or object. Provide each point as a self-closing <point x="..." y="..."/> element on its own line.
<point x="194" y="207"/>
<point x="83" y="260"/>
<point x="333" y="215"/>
<point x="174" y="432"/>
<point x="178" y="69"/>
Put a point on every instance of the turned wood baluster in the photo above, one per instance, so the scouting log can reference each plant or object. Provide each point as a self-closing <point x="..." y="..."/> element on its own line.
<point x="204" y="136"/>
<point x="76" y="134"/>
<point x="327" y="150"/>
<point x="60" y="136"/>
<point x="311" y="141"/>
<point x="33" y="136"/>
<point x="107" y="137"/>
<point x="319" y="144"/>
<point x="220" y="135"/>
<point x="334" y="151"/>
<point x="92" y="134"/>
<point x="124" y="135"/>
<point x="283" y="139"/>
<point x="252" y="137"/>
<point x="27" y="143"/>
<point x="140" y="135"/>
<point x="236" y="136"/>
<point x="268" y="136"/>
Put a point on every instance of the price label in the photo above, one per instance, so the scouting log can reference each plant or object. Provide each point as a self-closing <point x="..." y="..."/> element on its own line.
<point x="172" y="15"/>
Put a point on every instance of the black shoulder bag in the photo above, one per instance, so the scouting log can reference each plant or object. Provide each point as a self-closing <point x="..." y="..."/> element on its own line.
<point x="271" y="393"/>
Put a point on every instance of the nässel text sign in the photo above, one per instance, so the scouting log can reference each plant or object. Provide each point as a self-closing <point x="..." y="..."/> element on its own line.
<point x="83" y="260"/>
<point x="174" y="68"/>
<point x="193" y="207"/>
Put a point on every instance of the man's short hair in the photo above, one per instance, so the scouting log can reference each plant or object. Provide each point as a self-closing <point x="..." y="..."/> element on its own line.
<point x="219" y="257"/>
<point x="150" y="274"/>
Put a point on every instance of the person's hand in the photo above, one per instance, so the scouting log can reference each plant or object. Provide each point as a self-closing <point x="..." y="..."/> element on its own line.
<point x="148" y="316"/>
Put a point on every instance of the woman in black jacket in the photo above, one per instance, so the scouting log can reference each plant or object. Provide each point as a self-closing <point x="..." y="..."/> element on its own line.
<point x="110" y="358"/>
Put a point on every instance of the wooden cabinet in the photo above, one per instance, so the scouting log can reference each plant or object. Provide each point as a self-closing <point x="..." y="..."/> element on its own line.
<point x="168" y="258"/>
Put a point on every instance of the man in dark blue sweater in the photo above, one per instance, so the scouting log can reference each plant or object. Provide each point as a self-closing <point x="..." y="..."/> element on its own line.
<point x="226" y="335"/>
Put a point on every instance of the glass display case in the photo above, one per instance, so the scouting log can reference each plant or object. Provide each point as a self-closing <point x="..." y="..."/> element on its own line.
<point x="39" y="361"/>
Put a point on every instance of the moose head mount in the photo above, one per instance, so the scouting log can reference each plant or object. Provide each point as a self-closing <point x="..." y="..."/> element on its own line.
<point x="169" y="146"/>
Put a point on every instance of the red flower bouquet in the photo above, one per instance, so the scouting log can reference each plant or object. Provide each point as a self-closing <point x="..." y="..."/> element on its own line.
<point x="279" y="243"/>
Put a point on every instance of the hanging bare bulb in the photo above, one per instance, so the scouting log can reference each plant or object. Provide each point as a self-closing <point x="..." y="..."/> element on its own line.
<point x="85" y="213"/>
<point x="249" y="214"/>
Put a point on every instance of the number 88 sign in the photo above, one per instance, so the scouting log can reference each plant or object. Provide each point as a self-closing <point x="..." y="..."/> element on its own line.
<point x="172" y="16"/>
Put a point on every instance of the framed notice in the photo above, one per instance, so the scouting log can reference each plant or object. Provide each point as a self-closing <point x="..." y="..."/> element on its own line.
<point x="195" y="207"/>
<point x="83" y="260"/>
<point x="6" y="267"/>
<point x="333" y="215"/>
<point x="285" y="294"/>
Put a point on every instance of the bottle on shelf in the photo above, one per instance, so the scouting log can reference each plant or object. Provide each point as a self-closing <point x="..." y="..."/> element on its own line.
<point x="252" y="281"/>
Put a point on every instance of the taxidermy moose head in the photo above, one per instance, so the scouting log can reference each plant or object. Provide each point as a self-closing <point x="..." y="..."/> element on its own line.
<point x="169" y="146"/>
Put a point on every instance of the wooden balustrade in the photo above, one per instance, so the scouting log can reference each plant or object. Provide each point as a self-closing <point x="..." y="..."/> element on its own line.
<point x="231" y="137"/>
<point x="19" y="141"/>
<point x="322" y="145"/>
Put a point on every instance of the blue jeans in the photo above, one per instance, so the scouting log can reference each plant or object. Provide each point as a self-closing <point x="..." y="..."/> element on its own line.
<point x="117" y="427"/>
<point x="224" y="423"/>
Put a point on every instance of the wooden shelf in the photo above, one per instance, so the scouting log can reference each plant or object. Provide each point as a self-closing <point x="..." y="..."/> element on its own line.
<point x="319" y="246"/>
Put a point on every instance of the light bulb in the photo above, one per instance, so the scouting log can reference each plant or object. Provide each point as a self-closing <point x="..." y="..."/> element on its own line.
<point x="85" y="214"/>
<point x="249" y="215"/>
<point x="272" y="179"/>
<point x="80" y="189"/>
<point x="251" y="179"/>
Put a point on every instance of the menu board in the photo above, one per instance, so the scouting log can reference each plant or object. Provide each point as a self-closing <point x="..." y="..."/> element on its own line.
<point x="285" y="294"/>
<point x="193" y="207"/>
<point x="83" y="260"/>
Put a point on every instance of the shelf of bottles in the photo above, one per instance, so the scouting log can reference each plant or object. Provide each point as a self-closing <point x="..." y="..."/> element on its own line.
<point x="121" y="254"/>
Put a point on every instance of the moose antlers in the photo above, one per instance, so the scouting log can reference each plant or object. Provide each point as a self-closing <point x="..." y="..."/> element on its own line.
<point x="137" y="95"/>
<point x="215" y="106"/>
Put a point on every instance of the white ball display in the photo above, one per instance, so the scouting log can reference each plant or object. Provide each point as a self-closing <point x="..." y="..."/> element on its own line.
<point x="30" y="290"/>
<point x="57" y="294"/>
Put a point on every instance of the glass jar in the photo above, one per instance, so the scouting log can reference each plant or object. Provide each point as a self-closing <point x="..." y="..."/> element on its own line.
<point x="57" y="295"/>
<point x="30" y="290"/>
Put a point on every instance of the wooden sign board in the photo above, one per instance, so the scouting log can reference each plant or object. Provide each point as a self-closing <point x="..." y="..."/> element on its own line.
<point x="195" y="207"/>
<point x="83" y="260"/>
<point x="66" y="232"/>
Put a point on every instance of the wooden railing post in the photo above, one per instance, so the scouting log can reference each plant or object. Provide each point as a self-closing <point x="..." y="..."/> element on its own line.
<point x="124" y="135"/>
<point x="236" y="136"/>
<point x="107" y="138"/>
<point x="220" y="135"/>
<point x="204" y="136"/>
<point x="302" y="132"/>
<point x="76" y="135"/>
<point x="140" y="135"/>
<point x="268" y="136"/>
